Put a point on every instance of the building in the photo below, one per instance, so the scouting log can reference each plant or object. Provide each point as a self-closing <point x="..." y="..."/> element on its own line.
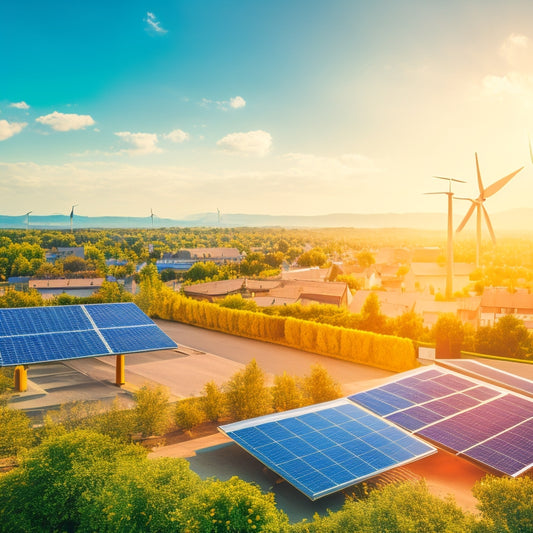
<point x="431" y="277"/>
<point x="498" y="302"/>
<point x="185" y="258"/>
<point x="62" y="252"/>
<point x="48" y="288"/>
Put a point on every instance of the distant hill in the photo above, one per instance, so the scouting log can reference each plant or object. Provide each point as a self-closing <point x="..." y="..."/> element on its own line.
<point x="516" y="219"/>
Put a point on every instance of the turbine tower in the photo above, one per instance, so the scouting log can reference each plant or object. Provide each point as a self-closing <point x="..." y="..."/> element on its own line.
<point x="477" y="205"/>
<point x="72" y="216"/>
<point x="449" y="254"/>
<point x="152" y="217"/>
<point x="28" y="220"/>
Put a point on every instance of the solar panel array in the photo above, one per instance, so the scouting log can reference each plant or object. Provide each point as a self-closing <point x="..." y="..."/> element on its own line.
<point x="471" y="418"/>
<point x="43" y="334"/>
<point x="326" y="447"/>
<point x="493" y="375"/>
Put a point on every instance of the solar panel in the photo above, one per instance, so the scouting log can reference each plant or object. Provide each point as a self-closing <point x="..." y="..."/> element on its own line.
<point x="44" y="334"/>
<point x="490" y="374"/>
<point x="480" y="421"/>
<point x="326" y="447"/>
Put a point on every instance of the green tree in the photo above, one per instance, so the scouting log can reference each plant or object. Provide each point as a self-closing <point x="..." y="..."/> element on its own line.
<point x="507" y="338"/>
<point x="73" y="263"/>
<point x="409" y="325"/>
<point x="506" y="504"/>
<point x="319" y="386"/>
<point x="365" y="259"/>
<point x="230" y="506"/>
<point x="16" y="434"/>
<point x="286" y="393"/>
<point x="396" y="508"/>
<point x="213" y="402"/>
<point x="246" y="393"/>
<point x="372" y="319"/>
<point x="188" y="414"/>
<point x="150" y="287"/>
<point x="111" y="291"/>
<point x="236" y="301"/>
<point x="313" y="257"/>
<point x="449" y="334"/>
<point x="201" y="271"/>
<point x="152" y="410"/>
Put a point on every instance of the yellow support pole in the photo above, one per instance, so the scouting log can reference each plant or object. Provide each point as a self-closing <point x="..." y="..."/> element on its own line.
<point x="120" y="374"/>
<point x="21" y="379"/>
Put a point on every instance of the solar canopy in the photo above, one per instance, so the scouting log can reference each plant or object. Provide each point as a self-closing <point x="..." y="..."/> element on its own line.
<point x="43" y="334"/>
<point x="488" y="373"/>
<point x="474" y="419"/>
<point x="326" y="447"/>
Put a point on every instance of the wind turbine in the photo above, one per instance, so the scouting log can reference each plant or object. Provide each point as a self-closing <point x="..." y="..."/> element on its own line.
<point x="477" y="205"/>
<point x="27" y="215"/>
<point x="72" y="216"/>
<point x="218" y="216"/>
<point x="152" y="217"/>
<point x="449" y="255"/>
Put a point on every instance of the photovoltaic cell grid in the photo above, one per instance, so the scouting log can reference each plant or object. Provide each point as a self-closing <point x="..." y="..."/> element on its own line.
<point x="43" y="334"/>
<point x="326" y="447"/>
<point x="478" y="421"/>
<point x="488" y="373"/>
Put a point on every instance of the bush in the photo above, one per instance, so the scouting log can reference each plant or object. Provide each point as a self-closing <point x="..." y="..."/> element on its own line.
<point x="188" y="414"/>
<point x="286" y="393"/>
<point x="152" y="410"/>
<point x="319" y="386"/>
<point x="213" y="402"/>
<point x="16" y="433"/>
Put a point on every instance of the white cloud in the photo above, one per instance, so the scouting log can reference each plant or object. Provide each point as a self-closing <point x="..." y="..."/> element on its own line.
<point x="143" y="143"/>
<point x="237" y="102"/>
<point x="177" y="136"/>
<point x="256" y="142"/>
<point x="154" y="24"/>
<point x="332" y="167"/>
<point x="20" y="105"/>
<point x="8" y="129"/>
<point x="66" y="122"/>
<point x="514" y="46"/>
<point x="512" y="83"/>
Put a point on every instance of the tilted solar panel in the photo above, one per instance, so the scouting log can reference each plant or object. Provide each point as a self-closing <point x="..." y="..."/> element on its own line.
<point x="326" y="447"/>
<point x="466" y="420"/>
<point x="490" y="374"/>
<point x="44" y="334"/>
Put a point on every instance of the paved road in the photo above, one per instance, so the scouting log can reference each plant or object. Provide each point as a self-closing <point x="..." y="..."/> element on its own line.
<point x="202" y="356"/>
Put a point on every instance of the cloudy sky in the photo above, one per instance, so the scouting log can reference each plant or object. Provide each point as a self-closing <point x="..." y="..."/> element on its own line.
<point x="278" y="107"/>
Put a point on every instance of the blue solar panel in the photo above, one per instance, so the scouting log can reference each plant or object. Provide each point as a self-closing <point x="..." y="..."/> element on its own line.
<point x="116" y="315"/>
<point x="43" y="334"/>
<point x="324" y="448"/>
<point x="137" y="339"/>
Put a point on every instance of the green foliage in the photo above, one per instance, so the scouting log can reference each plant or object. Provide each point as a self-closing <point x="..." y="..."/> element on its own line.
<point x="396" y="508"/>
<point x="313" y="257"/>
<point x="6" y="380"/>
<point x="506" y="504"/>
<point x="365" y="258"/>
<point x="150" y="287"/>
<point x="213" y="402"/>
<point x="286" y="393"/>
<point x="202" y="272"/>
<point x="449" y="334"/>
<point x="111" y="292"/>
<point x="246" y="393"/>
<point x="188" y="414"/>
<point x="152" y="410"/>
<point x="16" y="433"/>
<point x="236" y="301"/>
<point x="230" y="506"/>
<point x="319" y="386"/>
<point x="507" y="338"/>
<point x="14" y="298"/>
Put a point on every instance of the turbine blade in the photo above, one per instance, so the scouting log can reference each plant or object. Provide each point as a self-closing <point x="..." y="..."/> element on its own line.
<point x="497" y="185"/>
<point x="489" y="225"/>
<point x="467" y="216"/>
<point x="479" y="182"/>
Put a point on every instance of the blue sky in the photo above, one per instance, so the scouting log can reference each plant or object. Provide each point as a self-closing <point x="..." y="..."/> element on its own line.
<point x="279" y="107"/>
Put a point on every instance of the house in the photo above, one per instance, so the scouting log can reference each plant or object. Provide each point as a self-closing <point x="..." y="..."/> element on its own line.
<point x="185" y="258"/>
<point x="62" y="252"/>
<point x="311" y="292"/>
<point x="48" y="288"/>
<point x="306" y="274"/>
<point x="498" y="302"/>
<point x="214" y="290"/>
<point x="430" y="309"/>
<point x="431" y="277"/>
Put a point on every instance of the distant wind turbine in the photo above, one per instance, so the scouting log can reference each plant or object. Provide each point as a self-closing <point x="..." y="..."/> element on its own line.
<point x="27" y="215"/>
<point x="477" y="205"/>
<point x="449" y="255"/>
<point x="152" y="215"/>
<point x="218" y="215"/>
<point x="72" y="216"/>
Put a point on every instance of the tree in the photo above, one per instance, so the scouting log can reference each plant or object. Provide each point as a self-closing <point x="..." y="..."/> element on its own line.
<point x="73" y="263"/>
<point x="449" y="334"/>
<point x="313" y="257"/>
<point x="371" y="317"/>
<point x="286" y="393"/>
<point x="152" y="410"/>
<point x="230" y="506"/>
<point x="406" y="507"/>
<point x="365" y="259"/>
<point x="150" y="287"/>
<point x="188" y="414"/>
<point x="319" y="386"/>
<point x="246" y="393"/>
<point x="507" y="338"/>
<point x="111" y="291"/>
<point x="16" y="434"/>
<point x="201" y="271"/>
<point x="506" y="504"/>
<point x="213" y="402"/>
<point x="409" y="325"/>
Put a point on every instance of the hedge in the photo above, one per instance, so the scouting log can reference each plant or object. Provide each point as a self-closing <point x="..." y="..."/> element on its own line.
<point x="382" y="351"/>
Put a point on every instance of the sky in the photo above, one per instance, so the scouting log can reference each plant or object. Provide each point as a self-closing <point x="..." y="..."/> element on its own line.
<point x="280" y="107"/>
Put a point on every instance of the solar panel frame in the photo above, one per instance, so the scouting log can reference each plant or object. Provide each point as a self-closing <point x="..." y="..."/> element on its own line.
<point x="46" y="334"/>
<point x="325" y="458"/>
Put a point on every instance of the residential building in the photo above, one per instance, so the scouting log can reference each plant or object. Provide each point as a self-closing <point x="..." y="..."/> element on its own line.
<point x="498" y="302"/>
<point x="62" y="252"/>
<point x="48" y="288"/>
